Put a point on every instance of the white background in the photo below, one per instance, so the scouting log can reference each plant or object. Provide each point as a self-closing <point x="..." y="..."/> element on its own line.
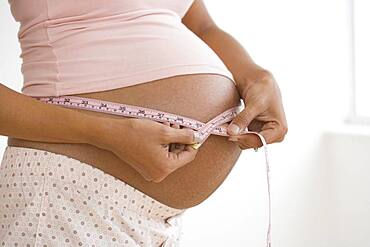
<point x="320" y="173"/>
<point x="361" y="43"/>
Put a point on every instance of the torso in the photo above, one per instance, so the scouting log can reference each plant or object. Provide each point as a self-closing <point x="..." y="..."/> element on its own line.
<point x="198" y="96"/>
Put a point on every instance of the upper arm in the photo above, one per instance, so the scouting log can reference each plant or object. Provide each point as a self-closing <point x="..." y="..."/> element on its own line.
<point x="197" y="18"/>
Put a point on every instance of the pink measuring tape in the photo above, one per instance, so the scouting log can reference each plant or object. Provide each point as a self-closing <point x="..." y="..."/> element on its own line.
<point x="216" y="126"/>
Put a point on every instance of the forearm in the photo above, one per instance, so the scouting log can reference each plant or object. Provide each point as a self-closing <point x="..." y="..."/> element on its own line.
<point x="231" y="52"/>
<point x="26" y="118"/>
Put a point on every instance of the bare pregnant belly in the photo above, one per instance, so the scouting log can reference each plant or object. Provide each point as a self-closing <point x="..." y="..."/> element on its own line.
<point x="198" y="96"/>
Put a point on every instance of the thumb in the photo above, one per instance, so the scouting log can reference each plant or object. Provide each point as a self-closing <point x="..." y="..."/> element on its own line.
<point x="184" y="136"/>
<point x="243" y="119"/>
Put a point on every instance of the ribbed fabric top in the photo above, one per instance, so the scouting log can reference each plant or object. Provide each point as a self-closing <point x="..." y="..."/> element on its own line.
<point x="71" y="47"/>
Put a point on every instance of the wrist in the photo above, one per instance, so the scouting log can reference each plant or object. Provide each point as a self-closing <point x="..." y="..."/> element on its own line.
<point x="101" y="131"/>
<point x="251" y="76"/>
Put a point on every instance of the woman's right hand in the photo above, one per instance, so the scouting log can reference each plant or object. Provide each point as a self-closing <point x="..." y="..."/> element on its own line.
<point x="139" y="142"/>
<point x="145" y="145"/>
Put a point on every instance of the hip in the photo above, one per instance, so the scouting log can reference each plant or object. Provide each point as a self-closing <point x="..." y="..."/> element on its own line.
<point x="49" y="199"/>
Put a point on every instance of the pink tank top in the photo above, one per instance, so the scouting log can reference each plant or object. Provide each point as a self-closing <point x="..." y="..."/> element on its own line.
<point x="71" y="47"/>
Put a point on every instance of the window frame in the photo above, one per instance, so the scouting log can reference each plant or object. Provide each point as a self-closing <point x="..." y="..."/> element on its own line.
<point x="353" y="117"/>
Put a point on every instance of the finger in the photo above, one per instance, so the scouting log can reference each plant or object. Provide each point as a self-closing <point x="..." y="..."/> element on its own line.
<point x="180" y="146"/>
<point x="182" y="158"/>
<point x="169" y="146"/>
<point x="271" y="135"/>
<point x="176" y="147"/>
<point x="184" y="136"/>
<point x="166" y="147"/>
<point x="248" y="140"/>
<point x="242" y="146"/>
<point x="167" y="124"/>
<point x="245" y="146"/>
<point x="239" y="144"/>
<point x="244" y="118"/>
<point x="176" y="126"/>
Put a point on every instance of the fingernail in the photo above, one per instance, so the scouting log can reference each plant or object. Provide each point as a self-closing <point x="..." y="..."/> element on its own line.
<point x="233" y="129"/>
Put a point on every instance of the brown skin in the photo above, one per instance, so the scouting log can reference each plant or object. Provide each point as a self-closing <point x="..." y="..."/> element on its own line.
<point x="184" y="185"/>
<point x="26" y="118"/>
<point x="264" y="112"/>
<point x="118" y="149"/>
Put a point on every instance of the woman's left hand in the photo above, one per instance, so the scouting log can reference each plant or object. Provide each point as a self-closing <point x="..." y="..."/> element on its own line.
<point x="263" y="112"/>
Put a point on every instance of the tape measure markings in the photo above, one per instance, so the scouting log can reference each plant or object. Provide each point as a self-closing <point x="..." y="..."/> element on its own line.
<point x="202" y="130"/>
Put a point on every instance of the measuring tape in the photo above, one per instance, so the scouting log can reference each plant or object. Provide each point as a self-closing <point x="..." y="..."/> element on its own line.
<point x="216" y="126"/>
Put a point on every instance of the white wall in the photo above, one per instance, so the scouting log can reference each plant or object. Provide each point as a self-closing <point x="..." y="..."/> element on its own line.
<point x="306" y="46"/>
<point x="349" y="183"/>
<point x="319" y="181"/>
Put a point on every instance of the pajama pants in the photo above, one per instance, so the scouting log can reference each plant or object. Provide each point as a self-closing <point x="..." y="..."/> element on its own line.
<point x="49" y="199"/>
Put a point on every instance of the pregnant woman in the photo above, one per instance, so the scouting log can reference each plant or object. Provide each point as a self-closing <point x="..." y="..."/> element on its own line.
<point x="74" y="177"/>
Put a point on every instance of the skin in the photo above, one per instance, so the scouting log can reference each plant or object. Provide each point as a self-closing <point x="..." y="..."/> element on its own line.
<point x="186" y="177"/>
<point x="132" y="151"/>
<point x="30" y="123"/>
<point x="264" y="111"/>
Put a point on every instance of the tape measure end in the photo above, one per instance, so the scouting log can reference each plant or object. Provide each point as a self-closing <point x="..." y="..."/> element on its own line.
<point x="195" y="145"/>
